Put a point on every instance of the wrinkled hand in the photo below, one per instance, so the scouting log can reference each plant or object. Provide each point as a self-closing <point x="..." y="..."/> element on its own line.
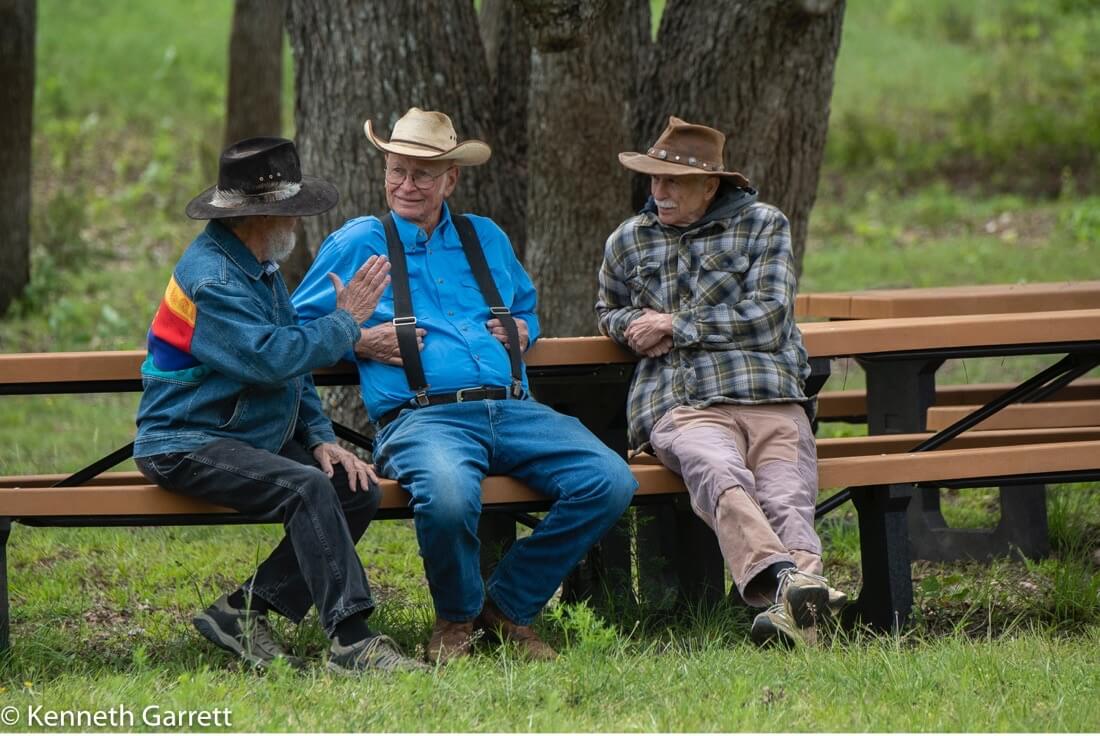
<point x="359" y="473"/>
<point x="496" y="329"/>
<point x="360" y="297"/>
<point x="650" y="334"/>
<point x="380" y="343"/>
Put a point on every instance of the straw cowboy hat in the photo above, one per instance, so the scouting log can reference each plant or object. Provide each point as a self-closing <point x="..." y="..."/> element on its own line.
<point x="684" y="149"/>
<point x="262" y="176"/>
<point x="431" y="136"/>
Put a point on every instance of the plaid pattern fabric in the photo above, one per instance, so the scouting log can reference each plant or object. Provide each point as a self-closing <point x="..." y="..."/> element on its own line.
<point x="730" y="286"/>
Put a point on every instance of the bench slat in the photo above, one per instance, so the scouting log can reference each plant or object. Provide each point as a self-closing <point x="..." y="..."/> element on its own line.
<point x="1056" y="414"/>
<point x="863" y="470"/>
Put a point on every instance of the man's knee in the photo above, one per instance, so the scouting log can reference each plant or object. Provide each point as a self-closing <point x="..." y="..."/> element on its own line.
<point x="448" y="502"/>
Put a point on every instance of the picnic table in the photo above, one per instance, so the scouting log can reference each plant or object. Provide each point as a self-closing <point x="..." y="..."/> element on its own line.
<point x="905" y="390"/>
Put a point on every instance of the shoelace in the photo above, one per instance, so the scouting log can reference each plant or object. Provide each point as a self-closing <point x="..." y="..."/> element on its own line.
<point x="259" y="635"/>
<point x="785" y="576"/>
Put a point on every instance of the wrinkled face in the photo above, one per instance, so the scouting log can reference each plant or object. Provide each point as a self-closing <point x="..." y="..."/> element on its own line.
<point x="418" y="195"/>
<point x="682" y="200"/>
<point x="281" y="237"/>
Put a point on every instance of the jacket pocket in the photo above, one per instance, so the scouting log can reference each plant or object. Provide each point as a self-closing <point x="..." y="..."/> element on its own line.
<point x="644" y="281"/>
<point x="721" y="278"/>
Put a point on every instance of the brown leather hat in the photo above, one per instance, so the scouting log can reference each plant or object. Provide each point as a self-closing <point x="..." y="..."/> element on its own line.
<point x="684" y="149"/>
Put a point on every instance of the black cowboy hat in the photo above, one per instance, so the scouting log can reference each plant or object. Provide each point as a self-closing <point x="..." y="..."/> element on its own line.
<point x="262" y="176"/>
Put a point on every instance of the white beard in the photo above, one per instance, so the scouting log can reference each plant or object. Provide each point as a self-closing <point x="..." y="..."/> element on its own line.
<point x="280" y="244"/>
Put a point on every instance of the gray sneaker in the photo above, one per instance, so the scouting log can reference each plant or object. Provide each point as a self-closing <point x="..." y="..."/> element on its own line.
<point x="775" y="626"/>
<point x="245" y="633"/>
<point x="805" y="595"/>
<point x="378" y="652"/>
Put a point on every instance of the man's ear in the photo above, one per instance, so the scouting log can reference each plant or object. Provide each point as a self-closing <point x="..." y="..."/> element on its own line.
<point x="451" y="181"/>
<point x="711" y="188"/>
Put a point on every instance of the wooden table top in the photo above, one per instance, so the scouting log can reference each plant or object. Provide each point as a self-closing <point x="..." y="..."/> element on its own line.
<point x="949" y="300"/>
<point x="822" y="340"/>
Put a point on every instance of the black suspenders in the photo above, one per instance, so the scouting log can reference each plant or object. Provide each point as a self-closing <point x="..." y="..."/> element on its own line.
<point x="405" y="323"/>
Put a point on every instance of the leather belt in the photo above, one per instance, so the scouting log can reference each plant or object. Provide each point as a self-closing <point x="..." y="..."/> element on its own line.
<point x="479" y="393"/>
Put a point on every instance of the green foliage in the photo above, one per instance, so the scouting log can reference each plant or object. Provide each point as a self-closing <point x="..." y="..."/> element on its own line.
<point x="1001" y="92"/>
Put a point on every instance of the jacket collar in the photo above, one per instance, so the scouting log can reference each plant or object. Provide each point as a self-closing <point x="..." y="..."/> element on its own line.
<point x="237" y="251"/>
<point x="413" y="236"/>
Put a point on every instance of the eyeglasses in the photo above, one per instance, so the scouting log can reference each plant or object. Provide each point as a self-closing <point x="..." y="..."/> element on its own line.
<point x="421" y="179"/>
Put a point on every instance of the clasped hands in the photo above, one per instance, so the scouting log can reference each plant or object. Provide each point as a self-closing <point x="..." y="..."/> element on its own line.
<point x="380" y="342"/>
<point x="650" y="334"/>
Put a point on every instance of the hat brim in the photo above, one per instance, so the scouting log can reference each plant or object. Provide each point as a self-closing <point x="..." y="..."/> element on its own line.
<point x="644" y="164"/>
<point x="315" y="196"/>
<point x="467" y="153"/>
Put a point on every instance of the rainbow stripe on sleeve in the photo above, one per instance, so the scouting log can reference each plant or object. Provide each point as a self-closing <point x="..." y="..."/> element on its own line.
<point x="172" y="330"/>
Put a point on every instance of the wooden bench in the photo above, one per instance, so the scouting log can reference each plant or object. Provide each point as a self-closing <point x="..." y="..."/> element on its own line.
<point x="1022" y="416"/>
<point x="588" y="377"/>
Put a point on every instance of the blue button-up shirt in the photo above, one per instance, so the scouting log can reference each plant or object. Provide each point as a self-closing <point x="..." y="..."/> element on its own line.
<point x="459" y="352"/>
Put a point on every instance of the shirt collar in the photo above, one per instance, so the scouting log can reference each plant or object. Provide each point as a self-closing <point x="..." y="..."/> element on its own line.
<point x="237" y="251"/>
<point x="414" y="234"/>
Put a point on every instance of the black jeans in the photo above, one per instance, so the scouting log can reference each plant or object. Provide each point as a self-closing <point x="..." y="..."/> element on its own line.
<point x="316" y="562"/>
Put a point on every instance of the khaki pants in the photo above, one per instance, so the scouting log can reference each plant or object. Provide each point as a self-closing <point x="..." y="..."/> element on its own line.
<point x="751" y="474"/>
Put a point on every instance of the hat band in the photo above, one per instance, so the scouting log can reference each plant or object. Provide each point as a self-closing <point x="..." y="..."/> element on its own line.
<point x="663" y="154"/>
<point x="237" y="198"/>
<point x="421" y="144"/>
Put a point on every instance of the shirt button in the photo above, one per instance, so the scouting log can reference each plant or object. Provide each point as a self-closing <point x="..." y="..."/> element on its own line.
<point x="440" y="281"/>
<point x="450" y="314"/>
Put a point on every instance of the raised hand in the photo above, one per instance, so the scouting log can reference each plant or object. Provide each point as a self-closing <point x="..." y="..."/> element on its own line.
<point x="360" y="297"/>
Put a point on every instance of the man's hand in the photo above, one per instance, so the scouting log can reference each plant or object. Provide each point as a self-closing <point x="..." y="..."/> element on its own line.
<point x="360" y="297"/>
<point x="651" y="334"/>
<point x="496" y="329"/>
<point x="380" y="343"/>
<point x="359" y="472"/>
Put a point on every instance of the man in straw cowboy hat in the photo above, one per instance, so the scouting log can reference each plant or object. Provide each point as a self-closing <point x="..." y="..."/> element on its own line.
<point x="701" y="283"/>
<point x="230" y="414"/>
<point x="442" y="377"/>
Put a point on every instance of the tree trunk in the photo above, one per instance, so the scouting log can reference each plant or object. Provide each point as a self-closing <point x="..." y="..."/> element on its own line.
<point x="762" y="73"/>
<point x="359" y="60"/>
<point x="17" y="28"/>
<point x="254" y="101"/>
<point x="508" y="52"/>
<point x="580" y="118"/>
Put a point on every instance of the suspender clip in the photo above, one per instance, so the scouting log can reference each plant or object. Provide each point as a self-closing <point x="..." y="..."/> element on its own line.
<point x="402" y="321"/>
<point x="517" y="389"/>
<point x="500" y="311"/>
<point x="422" y="397"/>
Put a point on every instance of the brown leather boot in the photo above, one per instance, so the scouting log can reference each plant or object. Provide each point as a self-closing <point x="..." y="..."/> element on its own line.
<point x="498" y="626"/>
<point x="450" y="640"/>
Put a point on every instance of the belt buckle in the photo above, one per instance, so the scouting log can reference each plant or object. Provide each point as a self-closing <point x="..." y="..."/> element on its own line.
<point x="460" y="395"/>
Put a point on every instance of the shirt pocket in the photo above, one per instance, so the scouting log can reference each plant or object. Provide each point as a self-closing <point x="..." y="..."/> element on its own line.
<point x="472" y="301"/>
<point x="645" y="285"/>
<point x="721" y="278"/>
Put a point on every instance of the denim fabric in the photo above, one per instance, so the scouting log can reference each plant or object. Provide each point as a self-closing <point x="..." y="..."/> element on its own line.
<point x="227" y="358"/>
<point x="316" y="562"/>
<point x="440" y="455"/>
<point x="459" y="352"/>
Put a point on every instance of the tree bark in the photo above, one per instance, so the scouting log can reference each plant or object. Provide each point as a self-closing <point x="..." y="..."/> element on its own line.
<point x="17" y="29"/>
<point x="359" y="60"/>
<point x="762" y="73"/>
<point x="254" y="100"/>
<point x="508" y="53"/>
<point x="580" y="118"/>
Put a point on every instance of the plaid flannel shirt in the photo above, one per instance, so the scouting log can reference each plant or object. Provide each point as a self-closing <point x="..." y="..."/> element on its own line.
<point x="729" y="283"/>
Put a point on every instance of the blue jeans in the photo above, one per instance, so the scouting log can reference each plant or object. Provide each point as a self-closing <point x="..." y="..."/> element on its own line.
<point x="316" y="562"/>
<point x="440" y="455"/>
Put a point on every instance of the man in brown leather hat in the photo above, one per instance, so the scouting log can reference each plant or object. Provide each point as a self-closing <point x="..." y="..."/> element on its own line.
<point x="701" y="283"/>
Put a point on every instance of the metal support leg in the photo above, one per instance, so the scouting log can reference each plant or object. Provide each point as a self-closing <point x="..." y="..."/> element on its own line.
<point x="1021" y="532"/>
<point x="656" y="538"/>
<point x="5" y="616"/>
<point x="886" y="597"/>
<point x="699" y="563"/>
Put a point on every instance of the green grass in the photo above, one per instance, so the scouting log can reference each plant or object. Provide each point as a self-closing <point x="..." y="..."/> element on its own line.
<point x="128" y="123"/>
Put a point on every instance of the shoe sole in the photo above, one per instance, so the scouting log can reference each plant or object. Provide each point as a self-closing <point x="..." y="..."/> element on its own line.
<point x="808" y="606"/>
<point x="209" y="629"/>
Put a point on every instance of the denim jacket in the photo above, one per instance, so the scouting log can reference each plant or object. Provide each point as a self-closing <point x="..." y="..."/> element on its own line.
<point x="227" y="358"/>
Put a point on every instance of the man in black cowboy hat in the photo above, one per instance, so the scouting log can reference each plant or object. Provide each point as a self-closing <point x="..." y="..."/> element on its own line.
<point x="701" y="284"/>
<point x="229" y="412"/>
